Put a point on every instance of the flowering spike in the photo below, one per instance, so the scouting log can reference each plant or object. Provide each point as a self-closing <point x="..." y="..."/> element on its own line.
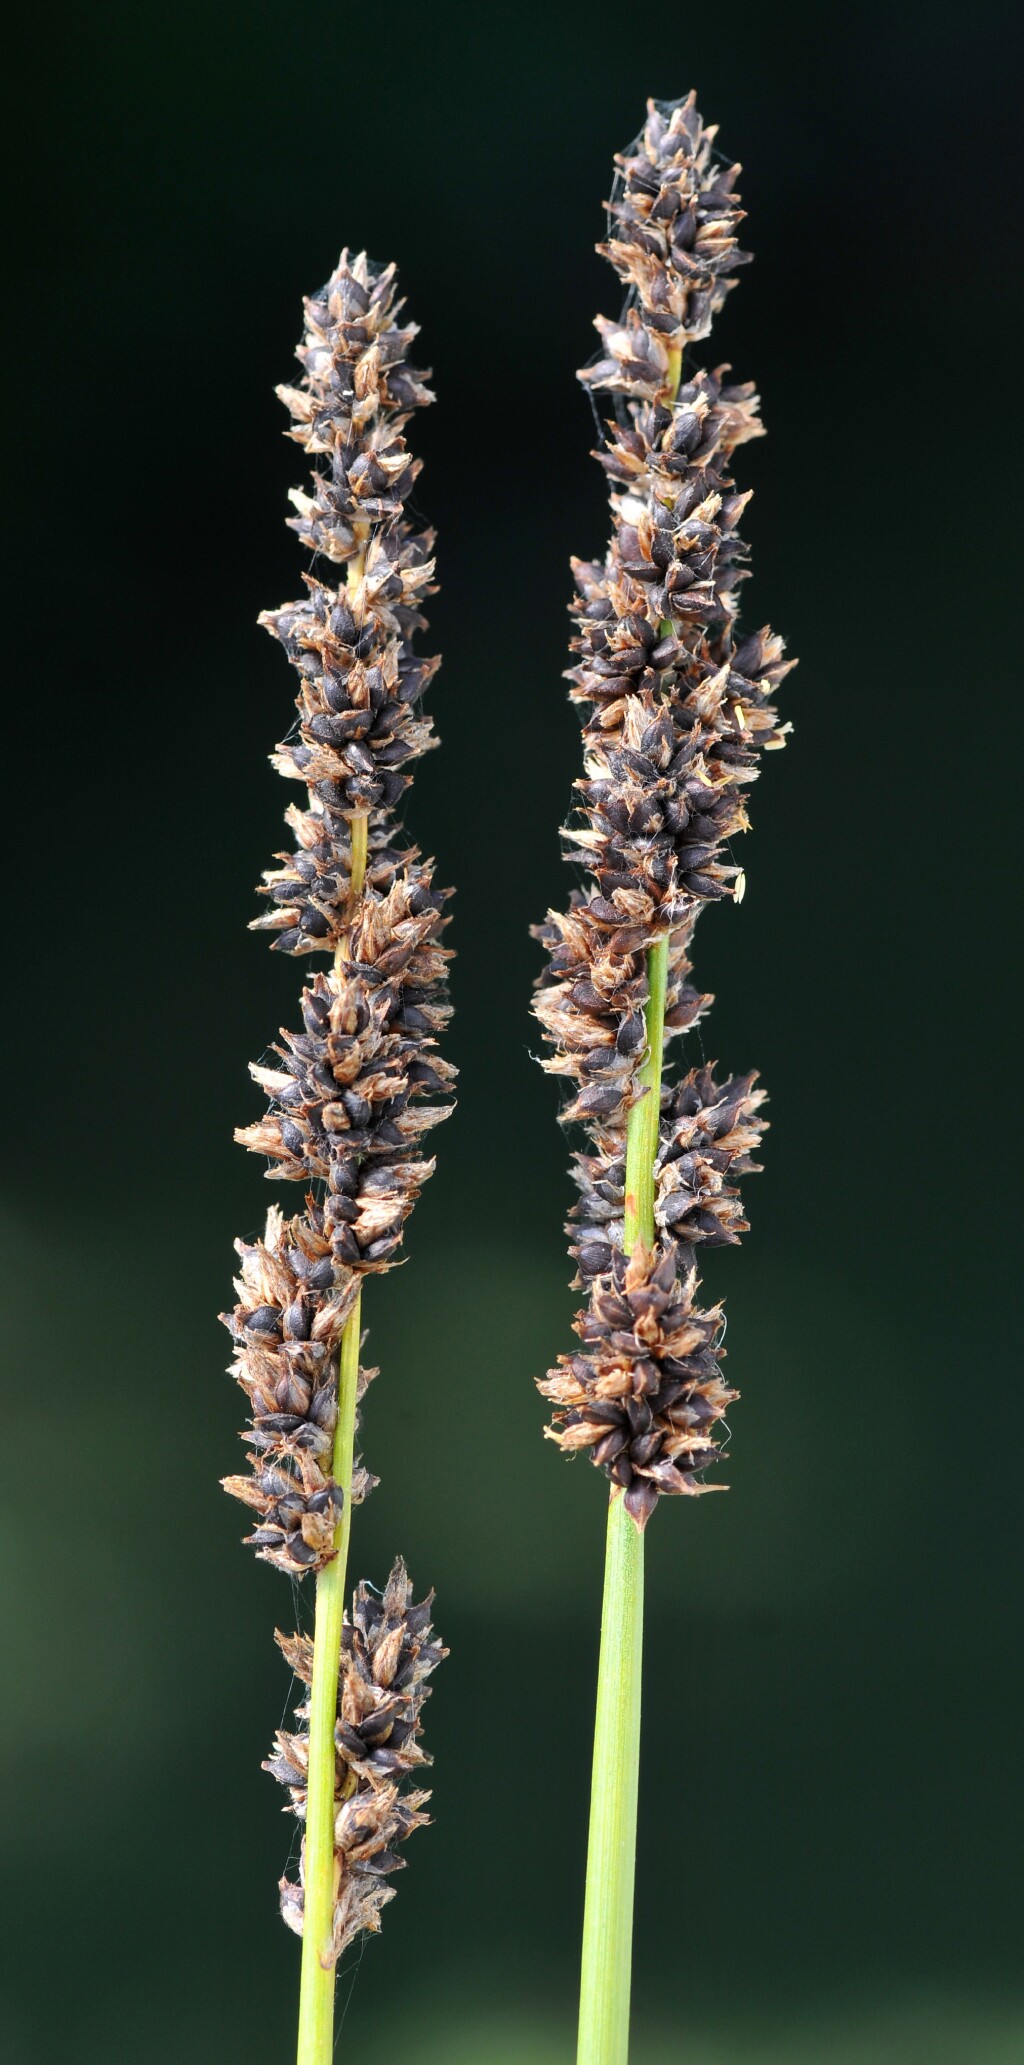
<point x="350" y="1094"/>
<point x="676" y="709"/>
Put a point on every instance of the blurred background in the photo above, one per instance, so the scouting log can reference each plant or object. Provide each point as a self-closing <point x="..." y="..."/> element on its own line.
<point x="832" y="1779"/>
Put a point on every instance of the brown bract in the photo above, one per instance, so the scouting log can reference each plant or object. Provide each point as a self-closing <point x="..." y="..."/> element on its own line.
<point x="676" y="710"/>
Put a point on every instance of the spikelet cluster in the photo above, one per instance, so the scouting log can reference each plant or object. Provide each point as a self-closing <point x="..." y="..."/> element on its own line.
<point x="388" y="1653"/>
<point x="353" y="1091"/>
<point x="676" y="709"/>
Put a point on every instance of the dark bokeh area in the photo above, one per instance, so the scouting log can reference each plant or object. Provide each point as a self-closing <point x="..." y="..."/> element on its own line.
<point x="832" y="1775"/>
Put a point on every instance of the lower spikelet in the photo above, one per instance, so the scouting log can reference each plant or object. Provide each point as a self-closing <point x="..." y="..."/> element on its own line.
<point x="294" y="1300"/>
<point x="388" y="1653"/>
<point x="646" y="1392"/>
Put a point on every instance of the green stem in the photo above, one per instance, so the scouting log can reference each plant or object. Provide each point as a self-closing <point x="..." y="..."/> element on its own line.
<point x="316" y="1997"/>
<point x="316" y="1988"/>
<point x="611" y="1856"/>
<point x="645" y="1117"/>
<point x="611" y="1853"/>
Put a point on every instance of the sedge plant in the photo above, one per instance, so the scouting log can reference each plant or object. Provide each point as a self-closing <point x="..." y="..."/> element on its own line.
<point x="676" y="708"/>
<point x="350" y="1097"/>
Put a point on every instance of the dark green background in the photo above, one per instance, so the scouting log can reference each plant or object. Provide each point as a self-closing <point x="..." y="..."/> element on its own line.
<point x="831" y="1771"/>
